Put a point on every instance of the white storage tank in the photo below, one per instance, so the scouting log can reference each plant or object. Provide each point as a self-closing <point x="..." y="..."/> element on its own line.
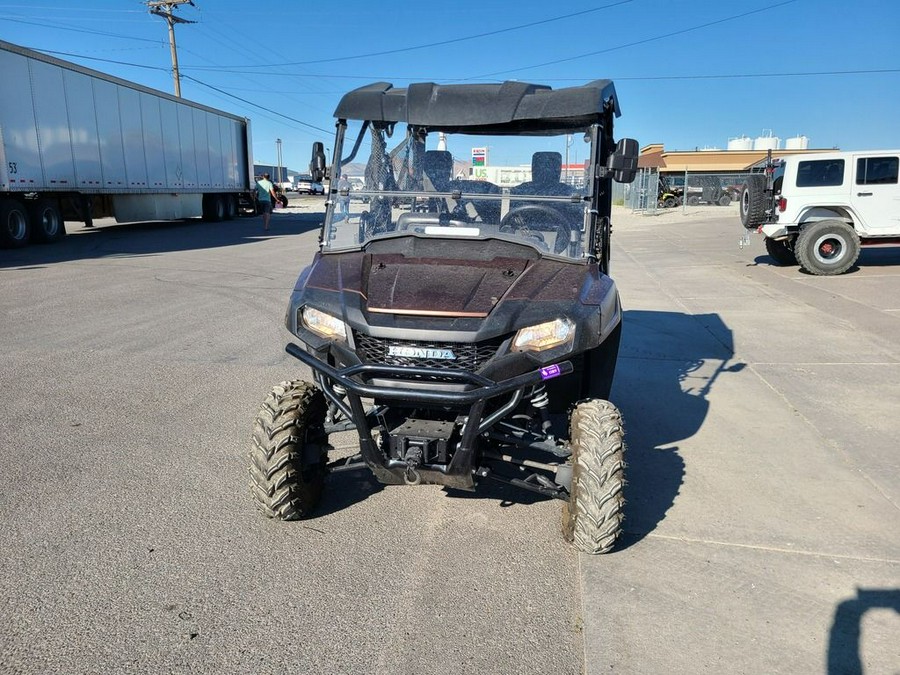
<point x="740" y="143"/>
<point x="796" y="143"/>
<point x="766" y="143"/>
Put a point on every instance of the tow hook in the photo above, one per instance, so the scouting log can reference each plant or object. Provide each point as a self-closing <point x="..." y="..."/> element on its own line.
<point x="413" y="460"/>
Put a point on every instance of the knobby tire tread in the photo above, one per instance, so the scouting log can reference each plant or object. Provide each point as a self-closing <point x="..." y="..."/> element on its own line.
<point x="592" y="518"/>
<point x="283" y="486"/>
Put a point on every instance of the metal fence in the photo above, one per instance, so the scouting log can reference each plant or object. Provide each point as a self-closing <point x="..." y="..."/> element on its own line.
<point x="641" y="195"/>
<point x="653" y="191"/>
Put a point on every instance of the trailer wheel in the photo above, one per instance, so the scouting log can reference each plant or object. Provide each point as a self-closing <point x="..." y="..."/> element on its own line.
<point x="231" y="207"/>
<point x="15" y="228"/>
<point x="289" y="451"/>
<point x="46" y="221"/>
<point x="827" y="247"/>
<point x="213" y="208"/>
<point x="592" y="518"/>
<point x="753" y="201"/>
<point x="780" y="251"/>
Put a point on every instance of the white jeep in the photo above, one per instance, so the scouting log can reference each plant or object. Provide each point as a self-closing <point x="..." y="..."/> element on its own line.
<point x="817" y="209"/>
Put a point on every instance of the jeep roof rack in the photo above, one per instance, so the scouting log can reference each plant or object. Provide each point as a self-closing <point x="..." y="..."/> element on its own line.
<point x="506" y="108"/>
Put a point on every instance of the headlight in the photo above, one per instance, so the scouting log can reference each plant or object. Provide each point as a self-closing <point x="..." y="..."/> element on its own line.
<point x="323" y="324"/>
<point x="544" y="336"/>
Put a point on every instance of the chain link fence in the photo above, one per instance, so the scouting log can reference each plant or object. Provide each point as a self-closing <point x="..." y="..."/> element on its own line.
<point x="654" y="191"/>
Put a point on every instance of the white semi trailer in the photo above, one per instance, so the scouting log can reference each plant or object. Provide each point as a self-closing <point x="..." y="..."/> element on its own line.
<point x="78" y="144"/>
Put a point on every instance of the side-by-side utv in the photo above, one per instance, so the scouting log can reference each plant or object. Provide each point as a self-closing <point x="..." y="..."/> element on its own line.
<point x="460" y="303"/>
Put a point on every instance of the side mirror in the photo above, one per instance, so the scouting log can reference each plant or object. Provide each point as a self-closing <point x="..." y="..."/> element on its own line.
<point x="624" y="161"/>
<point x="317" y="163"/>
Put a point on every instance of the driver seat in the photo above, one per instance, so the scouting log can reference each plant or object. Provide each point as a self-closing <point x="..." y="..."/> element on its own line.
<point x="546" y="170"/>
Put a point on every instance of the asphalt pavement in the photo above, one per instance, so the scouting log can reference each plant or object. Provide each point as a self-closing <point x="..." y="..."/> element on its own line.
<point x="761" y="408"/>
<point x="762" y="517"/>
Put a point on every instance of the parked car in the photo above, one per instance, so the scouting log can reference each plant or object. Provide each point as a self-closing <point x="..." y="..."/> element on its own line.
<point x="306" y="185"/>
<point x="816" y="210"/>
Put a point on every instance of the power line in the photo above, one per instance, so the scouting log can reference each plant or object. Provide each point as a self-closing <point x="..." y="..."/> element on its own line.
<point x="367" y="78"/>
<point x="80" y="9"/>
<point x="636" y="42"/>
<point x="97" y="58"/>
<point x="875" y="71"/>
<point x="256" y="105"/>
<point x="440" y="43"/>
<point x="45" y="24"/>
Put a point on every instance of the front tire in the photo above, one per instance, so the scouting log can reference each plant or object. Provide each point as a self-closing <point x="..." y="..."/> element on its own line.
<point x="780" y="251"/>
<point x="827" y="247"/>
<point x="592" y="518"/>
<point x="289" y="451"/>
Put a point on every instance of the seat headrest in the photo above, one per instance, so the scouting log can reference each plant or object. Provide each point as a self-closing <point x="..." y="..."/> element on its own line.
<point x="438" y="166"/>
<point x="546" y="167"/>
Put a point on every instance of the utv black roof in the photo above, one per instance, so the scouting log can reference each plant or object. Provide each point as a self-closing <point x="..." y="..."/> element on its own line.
<point x="507" y="108"/>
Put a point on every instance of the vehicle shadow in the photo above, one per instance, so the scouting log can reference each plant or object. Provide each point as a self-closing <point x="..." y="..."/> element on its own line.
<point x="869" y="256"/>
<point x="844" y="638"/>
<point x="668" y="363"/>
<point x="343" y="489"/>
<point x="109" y="239"/>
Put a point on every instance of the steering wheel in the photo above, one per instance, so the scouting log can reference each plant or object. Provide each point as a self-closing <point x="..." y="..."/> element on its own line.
<point x="530" y="219"/>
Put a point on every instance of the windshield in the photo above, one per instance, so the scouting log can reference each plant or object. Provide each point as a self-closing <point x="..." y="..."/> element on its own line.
<point x="530" y="189"/>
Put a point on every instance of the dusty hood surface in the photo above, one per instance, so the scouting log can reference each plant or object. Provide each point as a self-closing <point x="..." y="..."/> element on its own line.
<point x="439" y="287"/>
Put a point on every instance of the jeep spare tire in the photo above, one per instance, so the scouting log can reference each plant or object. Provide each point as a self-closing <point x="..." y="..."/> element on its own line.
<point x="753" y="201"/>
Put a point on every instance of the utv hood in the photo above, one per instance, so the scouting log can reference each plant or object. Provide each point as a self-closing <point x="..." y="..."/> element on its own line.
<point x="392" y="283"/>
<point x="470" y="288"/>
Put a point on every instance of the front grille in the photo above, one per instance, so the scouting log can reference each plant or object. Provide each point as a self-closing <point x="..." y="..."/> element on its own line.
<point x="469" y="356"/>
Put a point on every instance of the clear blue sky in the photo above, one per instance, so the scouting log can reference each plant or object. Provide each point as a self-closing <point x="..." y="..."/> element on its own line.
<point x="688" y="74"/>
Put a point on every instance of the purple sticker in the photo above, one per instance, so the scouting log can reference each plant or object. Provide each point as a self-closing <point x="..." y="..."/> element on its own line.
<point x="549" y="371"/>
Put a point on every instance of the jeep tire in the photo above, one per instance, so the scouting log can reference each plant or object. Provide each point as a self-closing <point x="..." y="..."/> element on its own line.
<point x="289" y="451"/>
<point x="753" y="201"/>
<point x="827" y="247"/>
<point x="592" y="518"/>
<point x="780" y="251"/>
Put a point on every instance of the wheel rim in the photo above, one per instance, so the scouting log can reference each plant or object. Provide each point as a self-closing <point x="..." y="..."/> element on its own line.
<point x="16" y="225"/>
<point x="829" y="248"/>
<point x="745" y="201"/>
<point x="49" y="222"/>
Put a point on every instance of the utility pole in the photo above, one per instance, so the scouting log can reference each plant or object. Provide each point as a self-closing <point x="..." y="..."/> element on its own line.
<point x="278" y="153"/>
<point x="164" y="9"/>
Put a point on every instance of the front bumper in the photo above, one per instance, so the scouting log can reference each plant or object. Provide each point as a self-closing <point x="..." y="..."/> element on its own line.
<point x="459" y="473"/>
